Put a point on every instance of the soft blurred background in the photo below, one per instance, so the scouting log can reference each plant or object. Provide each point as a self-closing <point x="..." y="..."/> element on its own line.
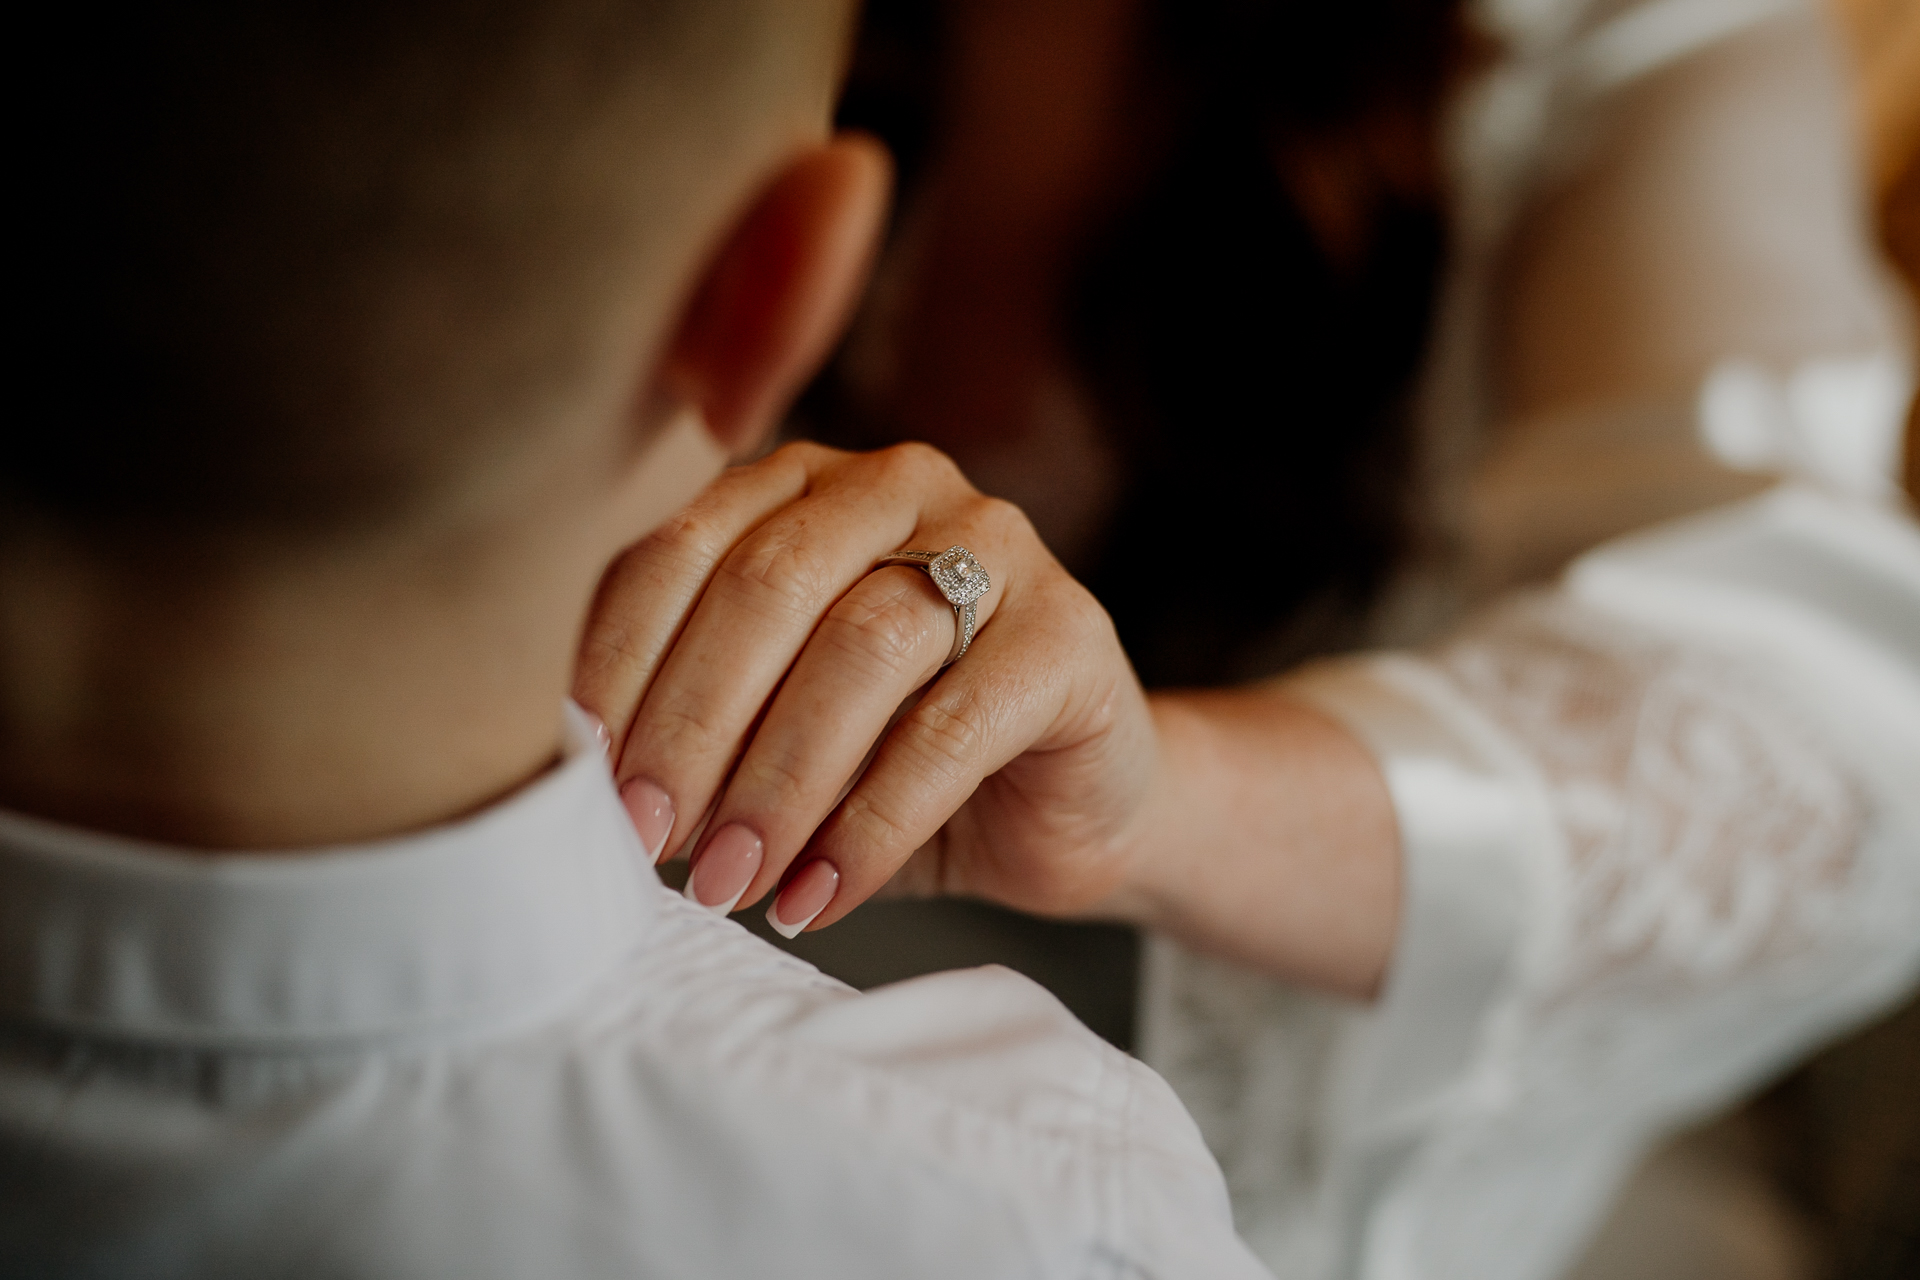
<point x="1124" y="224"/>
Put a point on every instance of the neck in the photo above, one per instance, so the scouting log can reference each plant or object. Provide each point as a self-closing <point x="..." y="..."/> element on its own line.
<point x="188" y="702"/>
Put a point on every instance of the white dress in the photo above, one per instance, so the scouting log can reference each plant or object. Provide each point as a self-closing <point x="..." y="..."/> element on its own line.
<point x="1661" y="819"/>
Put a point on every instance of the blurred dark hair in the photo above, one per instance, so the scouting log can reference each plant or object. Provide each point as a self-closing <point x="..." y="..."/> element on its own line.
<point x="1252" y="318"/>
<point x="1271" y="291"/>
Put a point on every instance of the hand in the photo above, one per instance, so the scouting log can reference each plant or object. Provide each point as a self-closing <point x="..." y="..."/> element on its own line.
<point x="747" y="658"/>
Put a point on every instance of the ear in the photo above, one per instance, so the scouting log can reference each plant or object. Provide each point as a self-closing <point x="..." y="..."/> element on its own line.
<point x="774" y="300"/>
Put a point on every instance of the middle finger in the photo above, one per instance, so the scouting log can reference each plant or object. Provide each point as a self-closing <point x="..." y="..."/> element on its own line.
<point x="884" y="639"/>
<point x="756" y="614"/>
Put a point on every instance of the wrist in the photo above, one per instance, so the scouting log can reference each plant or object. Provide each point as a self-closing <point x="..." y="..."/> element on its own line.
<point x="1159" y="846"/>
<point x="1266" y="836"/>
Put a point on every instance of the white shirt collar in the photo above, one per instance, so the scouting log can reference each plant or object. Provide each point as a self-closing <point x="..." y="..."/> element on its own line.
<point x="496" y="917"/>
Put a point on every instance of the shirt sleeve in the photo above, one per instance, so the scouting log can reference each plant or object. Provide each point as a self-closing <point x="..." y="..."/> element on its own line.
<point x="1091" y="1145"/>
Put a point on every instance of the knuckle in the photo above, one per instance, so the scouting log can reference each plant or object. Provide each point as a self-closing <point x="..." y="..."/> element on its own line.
<point x="945" y="739"/>
<point x="608" y="646"/>
<point x="693" y="536"/>
<point x="677" y="731"/>
<point x="873" y="823"/>
<point x="784" y="569"/>
<point x="615" y="639"/>
<point x="999" y="514"/>
<point x="778" y="781"/>
<point x="916" y="462"/>
<point x="891" y="631"/>
<point x="808" y="455"/>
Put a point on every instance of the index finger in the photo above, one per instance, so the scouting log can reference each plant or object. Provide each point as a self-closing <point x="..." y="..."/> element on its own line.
<point x="648" y="594"/>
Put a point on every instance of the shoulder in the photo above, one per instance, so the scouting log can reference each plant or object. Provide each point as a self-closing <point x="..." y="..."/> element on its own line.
<point x="965" y="1116"/>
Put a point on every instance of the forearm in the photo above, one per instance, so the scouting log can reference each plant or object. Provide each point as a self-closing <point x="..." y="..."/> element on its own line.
<point x="1268" y="838"/>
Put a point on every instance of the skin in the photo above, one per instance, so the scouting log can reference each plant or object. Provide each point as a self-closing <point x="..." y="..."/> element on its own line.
<point x="746" y="657"/>
<point x="228" y="697"/>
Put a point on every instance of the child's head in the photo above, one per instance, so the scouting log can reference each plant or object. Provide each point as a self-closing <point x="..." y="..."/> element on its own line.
<point x="319" y="268"/>
<point x="365" y="334"/>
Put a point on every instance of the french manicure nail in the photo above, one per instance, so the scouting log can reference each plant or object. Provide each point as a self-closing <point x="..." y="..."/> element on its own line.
<point x="601" y="737"/>
<point x="652" y="812"/>
<point x="804" y="898"/>
<point x="725" y="868"/>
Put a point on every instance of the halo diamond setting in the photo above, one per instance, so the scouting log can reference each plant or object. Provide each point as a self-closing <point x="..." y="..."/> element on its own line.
<point x="961" y="578"/>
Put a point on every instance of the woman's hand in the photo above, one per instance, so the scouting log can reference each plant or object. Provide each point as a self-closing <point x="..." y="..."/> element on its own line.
<point x="747" y="657"/>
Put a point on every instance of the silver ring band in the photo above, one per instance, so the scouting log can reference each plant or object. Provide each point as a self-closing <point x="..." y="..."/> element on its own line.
<point x="959" y="577"/>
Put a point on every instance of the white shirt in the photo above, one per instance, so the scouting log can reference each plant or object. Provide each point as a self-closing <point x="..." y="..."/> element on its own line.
<point x="502" y="1048"/>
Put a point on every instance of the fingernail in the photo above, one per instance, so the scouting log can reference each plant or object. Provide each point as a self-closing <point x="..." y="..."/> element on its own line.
<point x="652" y="813"/>
<point x="726" y="867"/>
<point x="600" y="735"/>
<point x="804" y="898"/>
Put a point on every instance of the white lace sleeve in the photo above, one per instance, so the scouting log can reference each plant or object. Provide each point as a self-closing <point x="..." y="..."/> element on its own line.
<point x="1662" y="835"/>
<point x="1706" y="830"/>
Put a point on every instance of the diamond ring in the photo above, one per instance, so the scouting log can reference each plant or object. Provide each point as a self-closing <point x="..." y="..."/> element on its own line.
<point x="959" y="577"/>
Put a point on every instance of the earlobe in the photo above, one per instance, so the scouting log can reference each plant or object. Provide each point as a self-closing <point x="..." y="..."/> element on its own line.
<point x="775" y="298"/>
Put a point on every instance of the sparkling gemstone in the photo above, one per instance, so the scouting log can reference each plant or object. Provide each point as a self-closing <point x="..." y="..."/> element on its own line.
<point x="960" y="577"/>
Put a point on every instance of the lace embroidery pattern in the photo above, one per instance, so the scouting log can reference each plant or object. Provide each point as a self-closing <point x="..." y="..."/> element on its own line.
<point x="1709" y="831"/>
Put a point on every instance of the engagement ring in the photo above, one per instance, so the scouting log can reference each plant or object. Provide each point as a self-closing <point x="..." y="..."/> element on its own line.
<point x="959" y="577"/>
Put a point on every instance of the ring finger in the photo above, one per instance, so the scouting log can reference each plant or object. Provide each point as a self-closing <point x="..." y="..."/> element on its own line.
<point x="885" y="639"/>
<point x="755" y="616"/>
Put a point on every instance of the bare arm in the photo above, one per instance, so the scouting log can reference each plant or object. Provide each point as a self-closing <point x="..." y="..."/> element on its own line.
<point x="1269" y="840"/>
